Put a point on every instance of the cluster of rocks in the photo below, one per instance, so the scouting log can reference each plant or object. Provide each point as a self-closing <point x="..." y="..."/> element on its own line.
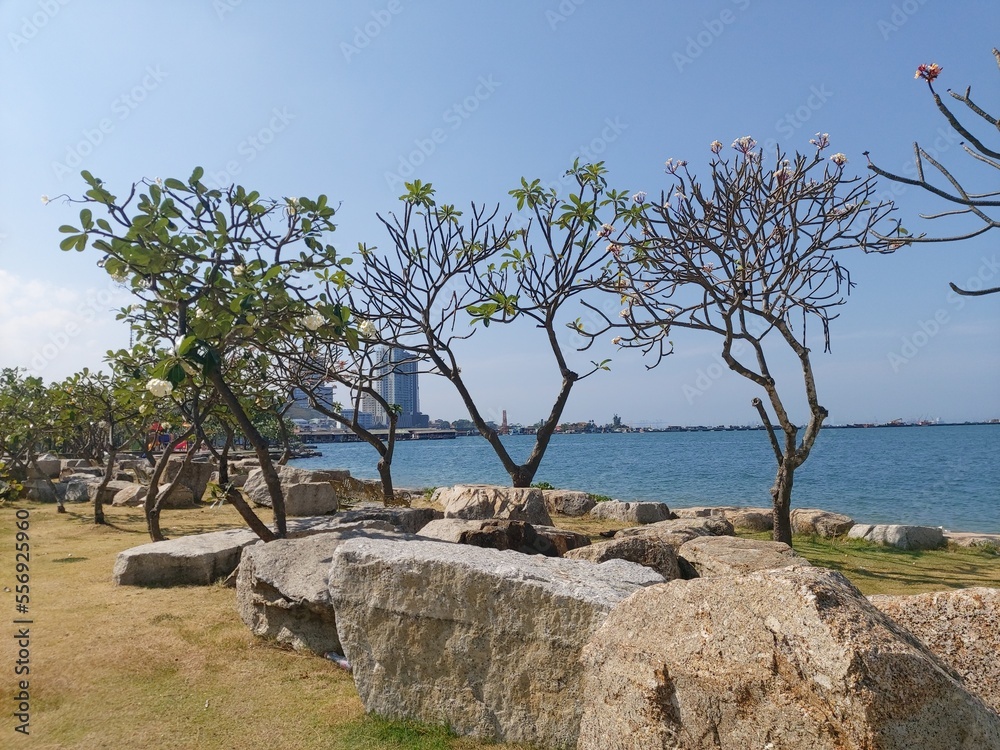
<point x="673" y="633"/>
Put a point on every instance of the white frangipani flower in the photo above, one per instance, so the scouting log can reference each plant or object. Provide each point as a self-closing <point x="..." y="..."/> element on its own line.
<point x="313" y="321"/>
<point x="367" y="329"/>
<point x="159" y="388"/>
<point x="45" y="199"/>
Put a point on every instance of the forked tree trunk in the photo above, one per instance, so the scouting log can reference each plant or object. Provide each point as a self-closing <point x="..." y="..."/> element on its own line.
<point x="260" y="447"/>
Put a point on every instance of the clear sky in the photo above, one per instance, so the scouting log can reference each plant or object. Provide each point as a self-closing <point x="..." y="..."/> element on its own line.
<point x="350" y="99"/>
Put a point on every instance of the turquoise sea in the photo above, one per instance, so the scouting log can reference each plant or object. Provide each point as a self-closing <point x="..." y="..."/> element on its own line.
<point x="934" y="476"/>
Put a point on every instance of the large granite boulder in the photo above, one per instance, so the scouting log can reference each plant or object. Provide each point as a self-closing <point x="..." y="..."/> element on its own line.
<point x="195" y="476"/>
<point x="48" y="467"/>
<point x="408" y="520"/>
<point x="198" y="559"/>
<point x="484" y="641"/>
<point x="900" y="536"/>
<point x="685" y="527"/>
<point x="283" y="587"/>
<point x="521" y="537"/>
<point x="820" y="522"/>
<point x="450" y="529"/>
<point x="75" y="488"/>
<point x="961" y="627"/>
<point x="484" y="501"/>
<point x="651" y="551"/>
<point x="134" y="495"/>
<point x="40" y="490"/>
<point x="751" y="519"/>
<point x="131" y="497"/>
<point x="790" y="658"/>
<point x="568" y="502"/>
<point x="704" y="511"/>
<point x="306" y="493"/>
<point x="639" y="512"/>
<point x="70" y="474"/>
<point x="729" y="555"/>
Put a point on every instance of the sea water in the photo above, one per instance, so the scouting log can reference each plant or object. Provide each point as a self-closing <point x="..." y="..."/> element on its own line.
<point x="931" y="476"/>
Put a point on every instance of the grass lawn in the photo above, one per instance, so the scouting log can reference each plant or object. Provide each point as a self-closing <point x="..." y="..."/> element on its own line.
<point x="131" y="668"/>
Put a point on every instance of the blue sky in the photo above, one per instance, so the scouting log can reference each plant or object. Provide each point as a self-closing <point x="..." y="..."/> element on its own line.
<point x="349" y="99"/>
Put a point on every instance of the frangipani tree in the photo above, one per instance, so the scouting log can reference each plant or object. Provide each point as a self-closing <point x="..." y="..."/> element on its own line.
<point x="214" y="271"/>
<point x="982" y="204"/>
<point x="445" y="270"/>
<point x="753" y="256"/>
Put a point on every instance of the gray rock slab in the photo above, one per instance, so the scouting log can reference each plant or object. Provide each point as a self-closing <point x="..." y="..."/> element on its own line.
<point x="651" y="551"/>
<point x="730" y="555"/>
<point x="687" y="527"/>
<point x="899" y="536"/>
<point x="198" y="559"/>
<point x="484" y="641"/>
<point x="449" y="529"/>
<point x="568" y="502"/>
<point x="638" y="512"/>
<point x="283" y="587"/>
<point x="790" y="658"/>
<point x="820" y="522"/>
<point x="485" y="501"/>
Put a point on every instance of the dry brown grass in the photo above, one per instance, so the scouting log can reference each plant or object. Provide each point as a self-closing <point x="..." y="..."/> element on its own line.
<point x="132" y="668"/>
<point x="170" y="668"/>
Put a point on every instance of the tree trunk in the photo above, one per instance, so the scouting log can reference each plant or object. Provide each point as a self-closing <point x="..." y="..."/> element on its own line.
<point x="108" y="471"/>
<point x="151" y="506"/>
<point x="781" y="497"/>
<point x="260" y="447"/>
<point x="286" y="441"/>
<point x="257" y="526"/>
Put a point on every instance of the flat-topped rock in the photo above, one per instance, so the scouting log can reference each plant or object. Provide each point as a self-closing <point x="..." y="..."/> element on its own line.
<point x="653" y="552"/>
<point x="170" y="497"/>
<point x="703" y="511"/>
<point x="301" y="498"/>
<point x="730" y="555"/>
<point x="751" y="519"/>
<point x="898" y="535"/>
<point x="820" y="522"/>
<point x="961" y="627"/>
<point x="195" y="475"/>
<point x="283" y="587"/>
<point x="198" y="559"/>
<point x="485" y="501"/>
<point x="637" y="512"/>
<point x="793" y="658"/>
<point x="408" y="520"/>
<point x="484" y="641"/>
<point x="685" y="527"/>
<point x="568" y="502"/>
<point x="972" y="539"/>
<point x="450" y="529"/>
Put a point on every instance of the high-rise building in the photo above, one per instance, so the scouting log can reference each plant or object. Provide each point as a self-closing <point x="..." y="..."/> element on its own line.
<point x="398" y="385"/>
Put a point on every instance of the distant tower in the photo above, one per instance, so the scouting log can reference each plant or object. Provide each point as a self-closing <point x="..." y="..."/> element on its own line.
<point x="504" y="429"/>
